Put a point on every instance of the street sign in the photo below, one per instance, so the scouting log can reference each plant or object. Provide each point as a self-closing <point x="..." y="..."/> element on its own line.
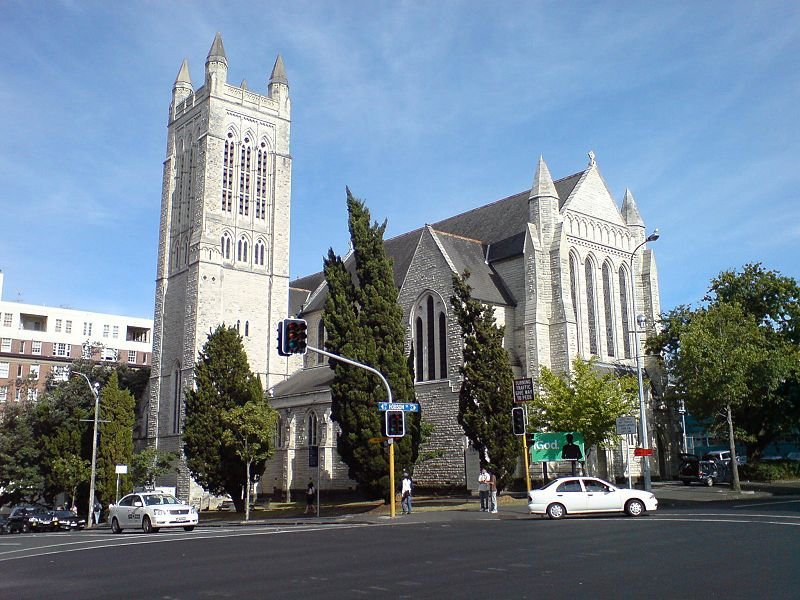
<point x="523" y="390"/>
<point x="626" y="425"/>
<point x="121" y="469"/>
<point x="377" y="440"/>
<point x="405" y="406"/>
<point x="643" y="452"/>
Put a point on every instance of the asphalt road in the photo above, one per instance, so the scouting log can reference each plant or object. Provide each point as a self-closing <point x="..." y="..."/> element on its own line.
<point x="739" y="550"/>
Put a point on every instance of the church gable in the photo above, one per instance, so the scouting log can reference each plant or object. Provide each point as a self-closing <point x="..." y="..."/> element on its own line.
<point x="591" y="198"/>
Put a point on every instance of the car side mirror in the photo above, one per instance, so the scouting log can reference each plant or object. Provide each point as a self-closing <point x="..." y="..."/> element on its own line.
<point x="138" y="504"/>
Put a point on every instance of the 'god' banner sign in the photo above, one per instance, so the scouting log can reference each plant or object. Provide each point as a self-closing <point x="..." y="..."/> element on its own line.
<point x="558" y="445"/>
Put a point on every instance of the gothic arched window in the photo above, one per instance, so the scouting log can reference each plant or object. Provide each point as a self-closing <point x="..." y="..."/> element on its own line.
<point x="573" y="290"/>
<point x="623" y="309"/>
<point x="591" y="315"/>
<point x="278" y="439"/>
<point x="227" y="173"/>
<point x="246" y="328"/>
<point x="311" y="430"/>
<point x="244" y="178"/>
<point x="241" y="250"/>
<point x="262" y="173"/>
<point x="430" y="339"/>
<point x="609" y="312"/>
<point x="258" y="253"/>
<point x="225" y="247"/>
<point x="176" y="400"/>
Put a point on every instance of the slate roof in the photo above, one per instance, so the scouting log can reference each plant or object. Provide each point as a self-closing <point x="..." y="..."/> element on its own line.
<point x="496" y="229"/>
<point x="305" y="381"/>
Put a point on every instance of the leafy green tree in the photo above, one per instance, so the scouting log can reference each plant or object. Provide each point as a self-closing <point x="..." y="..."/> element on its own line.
<point x="69" y="472"/>
<point x="149" y="464"/>
<point x="223" y="381"/>
<point x="115" y="438"/>
<point x="584" y="400"/>
<point x="249" y="431"/>
<point x="772" y="404"/>
<point x="486" y="396"/>
<point x="721" y="350"/>
<point x="20" y="478"/>
<point x="364" y="322"/>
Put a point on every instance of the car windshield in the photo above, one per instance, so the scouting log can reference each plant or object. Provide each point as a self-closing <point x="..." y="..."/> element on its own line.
<point x="160" y="499"/>
<point x="550" y="484"/>
<point x="65" y="514"/>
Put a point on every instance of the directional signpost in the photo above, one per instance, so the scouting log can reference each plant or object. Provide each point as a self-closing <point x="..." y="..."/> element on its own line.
<point x="626" y="426"/>
<point x="523" y="390"/>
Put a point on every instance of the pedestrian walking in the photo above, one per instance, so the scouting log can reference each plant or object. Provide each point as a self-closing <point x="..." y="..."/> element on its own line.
<point x="492" y="493"/>
<point x="310" y="493"/>
<point x="483" y="489"/>
<point x="406" y="486"/>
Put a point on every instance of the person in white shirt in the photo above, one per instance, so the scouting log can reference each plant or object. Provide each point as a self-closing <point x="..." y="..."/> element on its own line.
<point x="405" y="492"/>
<point x="483" y="489"/>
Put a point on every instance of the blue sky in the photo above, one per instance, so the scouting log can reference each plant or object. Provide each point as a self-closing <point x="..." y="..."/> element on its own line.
<point x="425" y="109"/>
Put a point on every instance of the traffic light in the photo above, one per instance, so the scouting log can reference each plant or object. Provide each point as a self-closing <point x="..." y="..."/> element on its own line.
<point x="293" y="337"/>
<point x="395" y="423"/>
<point x="518" y="420"/>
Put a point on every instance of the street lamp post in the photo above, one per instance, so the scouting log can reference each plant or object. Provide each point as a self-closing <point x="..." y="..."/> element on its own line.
<point x="96" y="392"/>
<point x="642" y="409"/>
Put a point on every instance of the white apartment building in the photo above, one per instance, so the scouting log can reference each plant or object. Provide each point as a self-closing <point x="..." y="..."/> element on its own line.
<point x="39" y="341"/>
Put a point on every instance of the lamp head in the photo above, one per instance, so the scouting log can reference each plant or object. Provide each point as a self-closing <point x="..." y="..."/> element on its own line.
<point x="653" y="236"/>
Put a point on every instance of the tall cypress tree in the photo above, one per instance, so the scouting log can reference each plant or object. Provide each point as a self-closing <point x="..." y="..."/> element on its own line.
<point x="486" y="396"/>
<point x="364" y="322"/>
<point x="223" y="380"/>
<point x="115" y="444"/>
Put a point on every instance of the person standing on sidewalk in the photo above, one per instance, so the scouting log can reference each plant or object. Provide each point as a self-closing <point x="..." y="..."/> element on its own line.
<point x="492" y="493"/>
<point x="310" y="493"/>
<point x="483" y="489"/>
<point x="405" y="491"/>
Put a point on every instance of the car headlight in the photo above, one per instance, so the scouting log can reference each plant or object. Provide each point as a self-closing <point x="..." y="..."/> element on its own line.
<point x="157" y="512"/>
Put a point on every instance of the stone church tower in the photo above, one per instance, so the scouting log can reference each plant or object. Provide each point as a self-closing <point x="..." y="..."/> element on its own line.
<point x="223" y="254"/>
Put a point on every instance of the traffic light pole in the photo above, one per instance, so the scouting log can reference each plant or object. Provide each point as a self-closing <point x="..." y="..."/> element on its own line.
<point x="389" y="394"/>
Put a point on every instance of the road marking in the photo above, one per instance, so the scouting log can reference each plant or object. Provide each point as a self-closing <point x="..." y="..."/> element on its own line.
<point x="99" y="543"/>
<point x="766" y="503"/>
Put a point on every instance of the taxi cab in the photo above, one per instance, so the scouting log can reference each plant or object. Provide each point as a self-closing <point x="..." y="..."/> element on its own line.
<point x="151" y="511"/>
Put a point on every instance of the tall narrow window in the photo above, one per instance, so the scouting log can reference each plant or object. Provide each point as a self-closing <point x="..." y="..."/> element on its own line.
<point x="623" y="308"/>
<point x="244" y="178"/>
<point x="418" y="363"/>
<point x="442" y="346"/>
<point x="246" y="328"/>
<point x="430" y="343"/>
<point x="312" y="438"/>
<point x="176" y="401"/>
<point x="609" y="313"/>
<point x="227" y="174"/>
<point x="241" y="250"/>
<point x="225" y="247"/>
<point x="591" y="316"/>
<point x="189" y="185"/>
<point x="262" y="171"/>
<point x="258" y="253"/>
<point x="320" y="340"/>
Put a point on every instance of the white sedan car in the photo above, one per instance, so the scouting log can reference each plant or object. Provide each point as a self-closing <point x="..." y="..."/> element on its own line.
<point x="586" y="495"/>
<point x="150" y="511"/>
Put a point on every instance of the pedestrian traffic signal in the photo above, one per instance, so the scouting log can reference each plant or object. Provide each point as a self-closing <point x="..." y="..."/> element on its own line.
<point x="293" y="337"/>
<point x="518" y="420"/>
<point x="395" y="423"/>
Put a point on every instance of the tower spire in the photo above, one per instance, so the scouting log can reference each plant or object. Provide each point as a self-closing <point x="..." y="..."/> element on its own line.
<point x="543" y="185"/>
<point x="216" y="64"/>
<point x="630" y="212"/>
<point x="217" y="52"/>
<point x="183" y="79"/>
<point x="279" y="72"/>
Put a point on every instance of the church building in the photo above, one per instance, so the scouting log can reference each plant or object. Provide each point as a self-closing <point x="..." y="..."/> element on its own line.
<point x="567" y="273"/>
<point x="563" y="266"/>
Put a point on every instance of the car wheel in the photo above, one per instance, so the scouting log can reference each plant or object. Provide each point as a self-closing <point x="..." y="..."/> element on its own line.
<point x="115" y="528"/>
<point x="147" y="526"/>
<point x="634" y="508"/>
<point x="189" y="528"/>
<point x="710" y="481"/>
<point x="556" y="511"/>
